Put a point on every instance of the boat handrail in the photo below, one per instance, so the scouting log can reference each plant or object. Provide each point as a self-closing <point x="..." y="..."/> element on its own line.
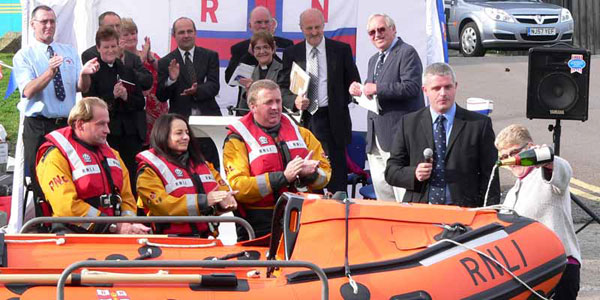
<point x="60" y="293"/>
<point x="137" y="219"/>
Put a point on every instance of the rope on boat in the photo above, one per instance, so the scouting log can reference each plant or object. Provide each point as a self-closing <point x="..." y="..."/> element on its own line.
<point x="59" y="241"/>
<point x="346" y="264"/>
<point x="93" y="272"/>
<point x="493" y="207"/>
<point x="498" y="263"/>
<point x="148" y="243"/>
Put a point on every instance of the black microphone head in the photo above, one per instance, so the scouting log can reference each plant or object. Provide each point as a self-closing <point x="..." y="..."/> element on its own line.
<point x="428" y="153"/>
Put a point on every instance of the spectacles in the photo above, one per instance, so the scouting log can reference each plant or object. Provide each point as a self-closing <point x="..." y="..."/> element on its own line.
<point x="46" y="21"/>
<point x="512" y="153"/>
<point x="380" y="30"/>
<point x="260" y="48"/>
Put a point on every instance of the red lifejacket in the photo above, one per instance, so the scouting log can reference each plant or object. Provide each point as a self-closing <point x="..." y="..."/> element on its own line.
<point x="178" y="182"/>
<point x="89" y="176"/>
<point x="265" y="154"/>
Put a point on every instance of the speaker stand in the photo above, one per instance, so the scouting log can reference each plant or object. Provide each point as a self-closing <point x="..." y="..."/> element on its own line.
<point x="556" y="131"/>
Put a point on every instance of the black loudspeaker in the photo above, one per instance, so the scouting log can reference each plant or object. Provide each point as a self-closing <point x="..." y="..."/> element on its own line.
<point x="558" y="83"/>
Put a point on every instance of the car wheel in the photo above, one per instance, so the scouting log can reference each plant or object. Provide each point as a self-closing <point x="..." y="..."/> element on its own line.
<point x="470" y="41"/>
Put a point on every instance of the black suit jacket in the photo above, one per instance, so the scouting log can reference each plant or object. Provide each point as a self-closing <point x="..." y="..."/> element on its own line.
<point x="142" y="76"/>
<point x="206" y="64"/>
<point x="470" y="157"/>
<point x="341" y="72"/>
<point x="126" y="117"/>
<point x="398" y="92"/>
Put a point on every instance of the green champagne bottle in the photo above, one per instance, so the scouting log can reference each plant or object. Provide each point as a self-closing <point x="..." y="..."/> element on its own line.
<point x="531" y="157"/>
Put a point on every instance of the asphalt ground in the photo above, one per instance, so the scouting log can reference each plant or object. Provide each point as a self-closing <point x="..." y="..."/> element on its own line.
<point x="503" y="79"/>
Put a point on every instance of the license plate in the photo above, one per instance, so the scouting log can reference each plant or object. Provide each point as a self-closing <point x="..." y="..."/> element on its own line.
<point x="532" y="31"/>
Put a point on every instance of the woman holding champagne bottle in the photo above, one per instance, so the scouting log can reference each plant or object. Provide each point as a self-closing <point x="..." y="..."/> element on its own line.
<point x="541" y="192"/>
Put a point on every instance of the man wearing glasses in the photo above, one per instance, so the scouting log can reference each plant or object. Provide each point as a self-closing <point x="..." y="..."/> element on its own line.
<point x="48" y="74"/>
<point x="462" y="142"/>
<point x="394" y="81"/>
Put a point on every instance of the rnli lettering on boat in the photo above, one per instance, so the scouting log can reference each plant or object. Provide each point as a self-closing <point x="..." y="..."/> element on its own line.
<point x="482" y="269"/>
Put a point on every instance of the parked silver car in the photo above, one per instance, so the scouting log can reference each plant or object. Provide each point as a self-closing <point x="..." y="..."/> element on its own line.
<point x="477" y="25"/>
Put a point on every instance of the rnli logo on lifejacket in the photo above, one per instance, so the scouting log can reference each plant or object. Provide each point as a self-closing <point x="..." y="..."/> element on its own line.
<point x="263" y="140"/>
<point x="87" y="158"/>
<point x="179" y="173"/>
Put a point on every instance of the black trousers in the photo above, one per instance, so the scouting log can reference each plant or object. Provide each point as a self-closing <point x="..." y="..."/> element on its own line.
<point x="568" y="286"/>
<point x="34" y="132"/>
<point x="320" y="126"/>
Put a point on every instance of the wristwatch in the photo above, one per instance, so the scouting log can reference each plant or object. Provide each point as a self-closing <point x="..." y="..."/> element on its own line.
<point x="112" y="228"/>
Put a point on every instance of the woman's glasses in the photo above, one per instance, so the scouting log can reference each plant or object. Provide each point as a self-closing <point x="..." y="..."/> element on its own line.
<point x="512" y="153"/>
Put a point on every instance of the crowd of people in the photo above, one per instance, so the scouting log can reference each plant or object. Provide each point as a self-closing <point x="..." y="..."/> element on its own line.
<point x="87" y="158"/>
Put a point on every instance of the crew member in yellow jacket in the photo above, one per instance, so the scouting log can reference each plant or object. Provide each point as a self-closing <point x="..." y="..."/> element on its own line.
<point x="81" y="176"/>
<point x="267" y="154"/>
<point x="174" y="179"/>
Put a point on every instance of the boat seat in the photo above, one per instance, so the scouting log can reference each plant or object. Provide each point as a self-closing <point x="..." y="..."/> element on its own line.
<point x="284" y="227"/>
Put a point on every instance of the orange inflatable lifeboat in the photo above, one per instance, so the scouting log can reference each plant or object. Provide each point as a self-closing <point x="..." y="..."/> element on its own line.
<point x="319" y="248"/>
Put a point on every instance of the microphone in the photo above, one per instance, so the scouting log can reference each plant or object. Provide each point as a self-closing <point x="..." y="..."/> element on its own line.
<point x="428" y="155"/>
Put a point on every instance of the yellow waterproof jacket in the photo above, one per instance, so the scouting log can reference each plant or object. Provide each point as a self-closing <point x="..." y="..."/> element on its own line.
<point x="237" y="166"/>
<point x="56" y="180"/>
<point x="153" y="197"/>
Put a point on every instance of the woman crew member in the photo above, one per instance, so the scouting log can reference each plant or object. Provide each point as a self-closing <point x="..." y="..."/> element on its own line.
<point x="175" y="180"/>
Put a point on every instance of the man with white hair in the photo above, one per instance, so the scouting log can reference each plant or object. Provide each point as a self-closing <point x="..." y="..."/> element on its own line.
<point x="394" y="79"/>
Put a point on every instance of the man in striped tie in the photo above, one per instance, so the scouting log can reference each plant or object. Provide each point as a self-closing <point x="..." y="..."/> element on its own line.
<point x="325" y="105"/>
<point x="394" y="81"/>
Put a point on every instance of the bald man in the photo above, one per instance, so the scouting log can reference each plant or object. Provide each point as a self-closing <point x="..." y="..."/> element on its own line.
<point x="325" y="107"/>
<point x="260" y="20"/>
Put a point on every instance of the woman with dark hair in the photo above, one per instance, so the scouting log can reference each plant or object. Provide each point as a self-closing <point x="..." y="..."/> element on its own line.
<point x="173" y="179"/>
<point x="117" y="84"/>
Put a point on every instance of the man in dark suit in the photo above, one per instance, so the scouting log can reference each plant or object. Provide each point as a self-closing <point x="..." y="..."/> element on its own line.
<point x="260" y="20"/>
<point x="188" y="78"/>
<point x="459" y="170"/>
<point x="142" y="76"/>
<point x="394" y="79"/>
<point x="325" y="105"/>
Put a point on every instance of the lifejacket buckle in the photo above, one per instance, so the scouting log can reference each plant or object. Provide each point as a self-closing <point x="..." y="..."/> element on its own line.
<point x="105" y="200"/>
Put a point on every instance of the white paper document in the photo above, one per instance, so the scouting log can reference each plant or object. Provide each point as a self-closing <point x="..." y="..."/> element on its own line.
<point x="298" y="80"/>
<point x="366" y="103"/>
<point x="242" y="71"/>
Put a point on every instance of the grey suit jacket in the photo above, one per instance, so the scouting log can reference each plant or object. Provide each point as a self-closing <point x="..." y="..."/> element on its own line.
<point x="272" y="74"/>
<point x="398" y="92"/>
<point x="470" y="157"/>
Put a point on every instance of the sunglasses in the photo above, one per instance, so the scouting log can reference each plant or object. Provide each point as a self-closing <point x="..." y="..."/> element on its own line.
<point x="380" y="30"/>
<point x="512" y="153"/>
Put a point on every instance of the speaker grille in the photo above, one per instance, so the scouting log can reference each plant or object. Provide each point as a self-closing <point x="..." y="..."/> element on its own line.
<point x="558" y="91"/>
<point x="555" y="89"/>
